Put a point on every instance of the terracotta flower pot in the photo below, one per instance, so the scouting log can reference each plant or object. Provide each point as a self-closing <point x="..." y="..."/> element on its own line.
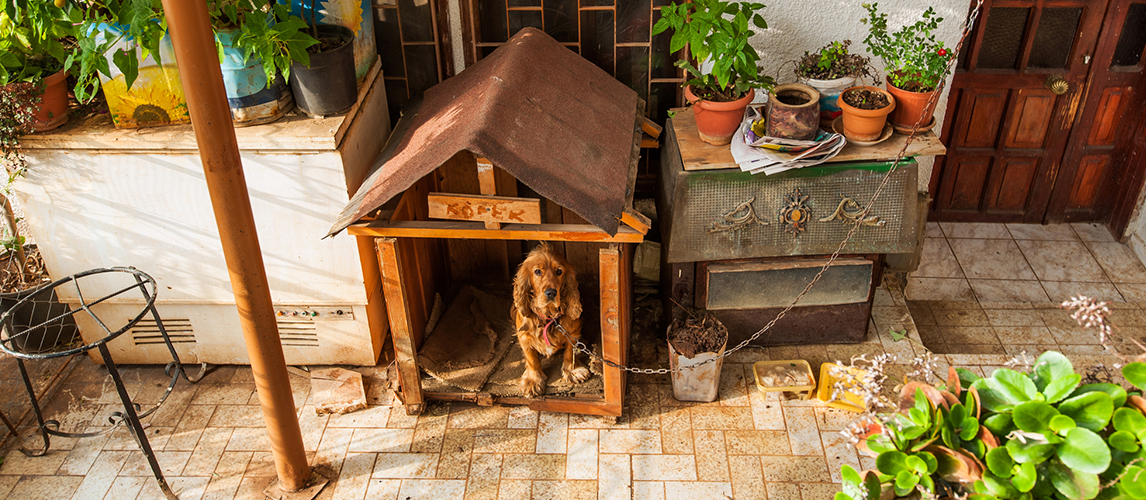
<point x="793" y="112"/>
<point x="865" y="124"/>
<point x="717" y="121"/>
<point x="53" y="110"/>
<point x="911" y="107"/>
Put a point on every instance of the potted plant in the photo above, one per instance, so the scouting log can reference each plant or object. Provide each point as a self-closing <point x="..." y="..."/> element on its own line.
<point x="258" y="42"/>
<point x="864" y="112"/>
<point x="325" y="84"/>
<point x="915" y="62"/>
<point x="717" y="33"/>
<point x="830" y="70"/>
<point x="35" y="52"/>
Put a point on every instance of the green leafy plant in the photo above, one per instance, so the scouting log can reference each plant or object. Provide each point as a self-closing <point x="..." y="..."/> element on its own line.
<point x="834" y="61"/>
<point x="914" y="59"/>
<point x="933" y="446"/>
<point x="35" y="40"/>
<point x="102" y="24"/>
<point x="267" y="30"/>
<point x="718" y="32"/>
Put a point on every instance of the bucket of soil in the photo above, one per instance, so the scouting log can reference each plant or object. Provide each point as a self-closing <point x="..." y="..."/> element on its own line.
<point x="39" y="325"/>
<point x="693" y="341"/>
<point x="326" y="86"/>
<point x="865" y="112"/>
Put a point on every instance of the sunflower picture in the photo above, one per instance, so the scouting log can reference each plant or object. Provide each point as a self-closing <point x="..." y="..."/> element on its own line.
<point x="155" y="99"/>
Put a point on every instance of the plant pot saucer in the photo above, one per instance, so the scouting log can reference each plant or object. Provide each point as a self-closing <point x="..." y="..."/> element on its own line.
<point x="906" y="129"/>
<point x="838" y="127"/>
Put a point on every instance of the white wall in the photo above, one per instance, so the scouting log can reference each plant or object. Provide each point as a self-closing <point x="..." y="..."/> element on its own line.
<point x="806" y="25"/>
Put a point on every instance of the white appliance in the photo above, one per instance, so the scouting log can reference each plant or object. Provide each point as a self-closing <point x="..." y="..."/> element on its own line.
<point x="95" y="196"/>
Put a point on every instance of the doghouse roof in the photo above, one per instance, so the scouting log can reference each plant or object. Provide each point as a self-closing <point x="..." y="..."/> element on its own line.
<point x="550" y="118"/>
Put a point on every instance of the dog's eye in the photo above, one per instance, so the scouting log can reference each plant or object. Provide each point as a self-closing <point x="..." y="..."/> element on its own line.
<point x="537" y="272"/>
<point x="557" y="272"/>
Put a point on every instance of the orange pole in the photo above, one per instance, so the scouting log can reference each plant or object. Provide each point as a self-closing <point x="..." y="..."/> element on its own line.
<point x="219" y="151"/>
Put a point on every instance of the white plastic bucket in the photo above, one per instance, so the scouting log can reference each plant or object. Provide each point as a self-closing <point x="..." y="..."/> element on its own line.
<point x="829" y="93"/>
<point x="696" y="383"/>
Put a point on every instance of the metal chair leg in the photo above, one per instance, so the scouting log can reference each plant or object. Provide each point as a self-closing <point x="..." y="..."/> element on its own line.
<point x="133" y="423"/>
<point x="39" y="415"/>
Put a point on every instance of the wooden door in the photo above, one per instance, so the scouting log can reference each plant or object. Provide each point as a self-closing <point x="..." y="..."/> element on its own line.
<point x="1097" y="176"/>
<point x="1007" y="132"/>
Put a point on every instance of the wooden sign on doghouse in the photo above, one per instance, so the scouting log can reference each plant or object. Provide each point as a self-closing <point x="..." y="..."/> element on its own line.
<point x="496" y="209"/>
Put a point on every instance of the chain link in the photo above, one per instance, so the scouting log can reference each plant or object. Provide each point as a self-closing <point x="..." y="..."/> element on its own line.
<point x="579" y="346"/>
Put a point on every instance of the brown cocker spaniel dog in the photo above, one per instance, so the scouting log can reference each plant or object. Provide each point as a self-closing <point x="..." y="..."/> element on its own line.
<point x="545" y="295"/>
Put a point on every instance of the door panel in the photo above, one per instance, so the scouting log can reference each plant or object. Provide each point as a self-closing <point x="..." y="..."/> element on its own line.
<point x="1008" y="127"/>
<point x="984" y="116"/>
<point x="1017" y="172"/>
<point x="1032" y="119"/>
<point x="968" y="174"/>
<point x="1108" y="116"/>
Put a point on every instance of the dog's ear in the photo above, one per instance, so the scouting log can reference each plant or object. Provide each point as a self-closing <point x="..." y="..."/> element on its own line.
<point x="523" y="289"/>
<point x="570" y="294"/>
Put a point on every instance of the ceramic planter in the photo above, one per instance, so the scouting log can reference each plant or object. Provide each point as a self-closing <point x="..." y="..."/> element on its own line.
<point x="829" y="91"/>
<point x="911" y="107"/>
<point x="793" y="112"/>
<point x="53" y="109"/>
<point x="717" y="121"/>
<point x="865" y="124"/>
<point x="327" y="86"/>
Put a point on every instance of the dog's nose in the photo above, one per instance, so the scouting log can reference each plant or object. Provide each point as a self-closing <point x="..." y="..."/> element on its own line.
<point x="551" y="293"/>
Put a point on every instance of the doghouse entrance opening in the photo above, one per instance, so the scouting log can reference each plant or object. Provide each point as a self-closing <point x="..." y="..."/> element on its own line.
<point x="472" y="348"/>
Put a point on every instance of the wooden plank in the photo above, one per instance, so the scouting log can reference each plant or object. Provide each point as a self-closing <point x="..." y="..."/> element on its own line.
<point x="488" y="182"/>
<point x="626" y="319"/>
<point x="611" y="320"/>
<point x="584" y="408"/>
<point x="636" y="220"/>
<point x="647" y="141"/>
<point x="476" y="231"/>
<point x="650" y="127"/>
<point x="699" y="155"/>
<point x="401" y="324"/>
<point x="484" y="208"/>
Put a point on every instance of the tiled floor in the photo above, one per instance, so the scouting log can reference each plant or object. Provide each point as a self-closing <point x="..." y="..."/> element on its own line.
<point x="983" y="289"/>
<point x="995" y="288"/>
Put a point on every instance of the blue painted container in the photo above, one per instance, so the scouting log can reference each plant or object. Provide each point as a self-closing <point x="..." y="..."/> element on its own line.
<point x="252" y="100"/>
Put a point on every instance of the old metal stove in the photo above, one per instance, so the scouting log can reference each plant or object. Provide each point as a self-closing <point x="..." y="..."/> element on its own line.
<point x="744" y="246"/>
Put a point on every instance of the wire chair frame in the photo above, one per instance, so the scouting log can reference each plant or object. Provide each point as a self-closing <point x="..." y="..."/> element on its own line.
<point x="16" y="343"/>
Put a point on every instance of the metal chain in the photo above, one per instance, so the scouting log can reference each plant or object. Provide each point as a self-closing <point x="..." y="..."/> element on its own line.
<point x="581" y="347"/>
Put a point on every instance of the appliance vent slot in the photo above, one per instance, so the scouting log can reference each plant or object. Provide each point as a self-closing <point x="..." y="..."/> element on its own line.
<point x="179" y="330"/>
<point x="298" y="333"/>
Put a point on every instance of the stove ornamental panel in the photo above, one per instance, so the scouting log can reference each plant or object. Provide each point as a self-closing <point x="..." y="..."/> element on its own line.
<point x="728" y="214"/>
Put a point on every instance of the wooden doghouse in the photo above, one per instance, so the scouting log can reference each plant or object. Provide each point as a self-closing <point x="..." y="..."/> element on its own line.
<point x="531" y="143"/>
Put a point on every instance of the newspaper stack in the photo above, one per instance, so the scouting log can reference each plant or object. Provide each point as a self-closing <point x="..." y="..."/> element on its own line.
<point x="757" y="153"/>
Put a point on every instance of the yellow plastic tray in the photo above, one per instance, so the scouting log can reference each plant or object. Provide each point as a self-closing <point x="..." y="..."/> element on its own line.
<point x="761" y="369"/>
<point x="850" y="401"/>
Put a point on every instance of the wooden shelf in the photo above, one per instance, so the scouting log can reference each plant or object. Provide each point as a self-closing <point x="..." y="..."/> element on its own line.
<point x="699" y="155"/>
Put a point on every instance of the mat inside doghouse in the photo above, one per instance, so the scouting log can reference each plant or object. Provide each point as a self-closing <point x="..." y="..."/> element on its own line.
<point x="473" y="348"/>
